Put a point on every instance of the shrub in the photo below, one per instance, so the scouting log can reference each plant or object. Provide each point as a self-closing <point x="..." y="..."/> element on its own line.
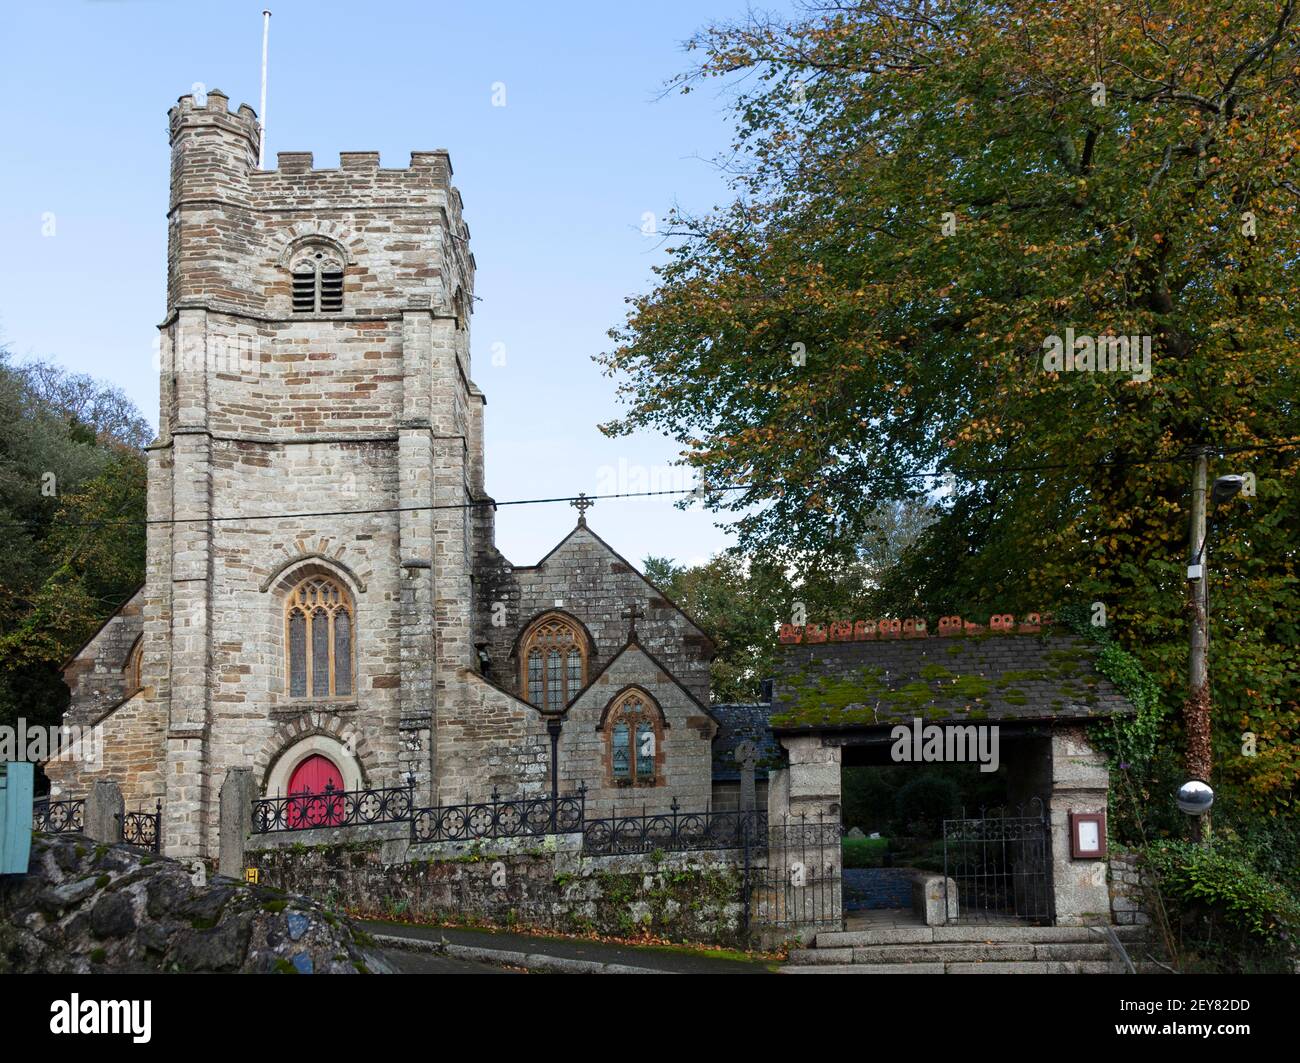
<point x="1228" y="915"/>
<point x="923" y="803"/>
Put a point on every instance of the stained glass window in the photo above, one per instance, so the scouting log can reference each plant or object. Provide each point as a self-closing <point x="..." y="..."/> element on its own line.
<point x="575" y="672"/>
<point x="645" y="751"/>
<point x="298" y="654"/>
<point x="554" y="681"/>
<point x="319" y="622"/>
<point x="620" y="753"/>
<point x="554" y="662"/>
<point x="320" y="653"/>
<point x="634" y="728"/>
<point x="535" y="677"/>
<point x="342" y="652"/>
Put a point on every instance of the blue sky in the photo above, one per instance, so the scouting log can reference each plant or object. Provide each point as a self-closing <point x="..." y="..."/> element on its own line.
<point x="556" y="185"/>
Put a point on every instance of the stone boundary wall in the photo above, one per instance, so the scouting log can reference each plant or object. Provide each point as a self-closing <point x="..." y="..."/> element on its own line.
<point x="1126" y="891"/>
<point x="541" y="882"/>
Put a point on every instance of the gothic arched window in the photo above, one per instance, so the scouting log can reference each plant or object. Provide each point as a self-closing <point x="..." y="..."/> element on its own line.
<point x="553" y="659"/>
<point x="317" y="281"/>
<point x="634" y="738"/>
<point x="318" y="619"/>
<point x="131" y="670"/>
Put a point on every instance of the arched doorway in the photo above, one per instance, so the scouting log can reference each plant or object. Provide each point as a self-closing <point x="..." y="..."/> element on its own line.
<point x="313" y="794"/>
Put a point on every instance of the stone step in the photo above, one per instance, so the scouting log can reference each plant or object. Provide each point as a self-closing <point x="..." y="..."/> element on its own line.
<point x="1023" y="967"/>
<point x="953" y="952"/>
<point x="973" y="933"/>
<point x="1037" y="967"/>
<point x="865" y="968"/>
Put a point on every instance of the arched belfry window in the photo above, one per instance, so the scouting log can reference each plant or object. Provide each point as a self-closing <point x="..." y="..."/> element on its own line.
<point x="317" y="280"/>
<point x="318" y="621"/>
<point x="553" y="658"/>
<point x="634" y="738"/>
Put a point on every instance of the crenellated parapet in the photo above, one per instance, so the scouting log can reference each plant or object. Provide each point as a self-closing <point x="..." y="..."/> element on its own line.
<point x="406" y="241"/>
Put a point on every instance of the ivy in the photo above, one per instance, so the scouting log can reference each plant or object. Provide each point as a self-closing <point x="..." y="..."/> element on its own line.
<point x="1126" y="740"/>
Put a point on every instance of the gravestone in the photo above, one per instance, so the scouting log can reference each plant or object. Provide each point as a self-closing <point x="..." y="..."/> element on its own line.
<point x="747" y="756"/>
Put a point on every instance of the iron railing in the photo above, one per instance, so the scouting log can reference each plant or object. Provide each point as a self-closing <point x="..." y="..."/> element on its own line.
<point x="523" y="817"/>
<point x="143" y="828"/>
<point x="673" y="831"/>
<point x="69" y="817"/>
<point x="333" y="808"/>
<point x="58" y="817"/>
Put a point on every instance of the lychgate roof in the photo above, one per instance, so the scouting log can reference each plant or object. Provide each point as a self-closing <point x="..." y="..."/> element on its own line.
<point x="1002" y="677"/>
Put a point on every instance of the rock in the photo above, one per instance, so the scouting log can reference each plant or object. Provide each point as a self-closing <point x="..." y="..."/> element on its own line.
<point x="207" y="903"/>
<point x="113" y="916"/>
<point x="117" y="909"/>
<point x="221" y="948"/>
<point x="856" y="832"/>
<point x="165" y="893"/>
<point x="69" y="894"/>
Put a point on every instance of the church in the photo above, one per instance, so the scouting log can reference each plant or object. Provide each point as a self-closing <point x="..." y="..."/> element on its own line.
<point x="324" y="602"/>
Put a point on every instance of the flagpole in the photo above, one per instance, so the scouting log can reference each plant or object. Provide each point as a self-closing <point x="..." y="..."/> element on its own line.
<point x="261" y="150"/>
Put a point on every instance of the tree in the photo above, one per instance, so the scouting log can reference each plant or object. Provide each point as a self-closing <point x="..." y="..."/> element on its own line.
<point x="931" y="201"/>
<point x="72" y="533"/>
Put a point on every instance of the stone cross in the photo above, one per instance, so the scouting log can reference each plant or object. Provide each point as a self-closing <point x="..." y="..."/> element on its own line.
<point x="631" y="614"/>
<point x="582" y="503"/>
<point x="746" y="755"/>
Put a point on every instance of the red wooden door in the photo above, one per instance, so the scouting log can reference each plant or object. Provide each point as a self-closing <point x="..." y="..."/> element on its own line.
<point x="311" y="794"/>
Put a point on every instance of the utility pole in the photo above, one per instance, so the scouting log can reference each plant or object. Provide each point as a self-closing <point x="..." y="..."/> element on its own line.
<point x="1196" y="709"/>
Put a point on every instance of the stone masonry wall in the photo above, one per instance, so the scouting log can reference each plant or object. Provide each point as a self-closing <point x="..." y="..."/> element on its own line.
<point x="584" y="577"/>
<point x="1127" y="895"/>
<point x="546" y="883"/>
<point x="96" y="676"/>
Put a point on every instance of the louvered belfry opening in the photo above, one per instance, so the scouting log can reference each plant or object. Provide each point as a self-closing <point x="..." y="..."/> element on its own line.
<point x="331" y="291"/>
<point x="317" y="284"/>
<point x="304" y="292"/>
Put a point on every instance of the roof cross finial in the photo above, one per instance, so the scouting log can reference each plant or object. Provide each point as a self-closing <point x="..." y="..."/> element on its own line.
<point x="582" y="503"/>
<point x="631" y="614"/>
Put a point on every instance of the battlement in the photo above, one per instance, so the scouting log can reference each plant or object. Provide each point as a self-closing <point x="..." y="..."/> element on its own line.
<point x="400" y="231"/>
<point x="215" y="109"/>
<point x="303" y="162"/>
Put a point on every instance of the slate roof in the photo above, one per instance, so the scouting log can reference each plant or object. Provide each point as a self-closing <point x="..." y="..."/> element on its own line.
<point x="995" y="677"/>
<point x="735" y="724"/>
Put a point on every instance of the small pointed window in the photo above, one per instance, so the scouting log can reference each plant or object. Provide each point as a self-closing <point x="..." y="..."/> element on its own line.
<point x="554" y="663"/>
<point x="634" y="731"/>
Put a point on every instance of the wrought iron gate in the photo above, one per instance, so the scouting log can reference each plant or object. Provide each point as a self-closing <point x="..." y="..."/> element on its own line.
<point x="1000" y="864"/>
<point x="792" y="874"/>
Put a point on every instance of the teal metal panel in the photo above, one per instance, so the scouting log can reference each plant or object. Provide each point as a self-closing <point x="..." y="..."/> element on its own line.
<point x="15" y="818"/>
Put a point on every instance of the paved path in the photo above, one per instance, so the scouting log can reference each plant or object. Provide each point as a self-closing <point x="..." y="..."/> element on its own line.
<point x="431" y="963"/>
<point x="567" y="955"/>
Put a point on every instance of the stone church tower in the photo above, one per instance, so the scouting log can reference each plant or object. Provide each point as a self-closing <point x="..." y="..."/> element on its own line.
<point x="321" y="575"/>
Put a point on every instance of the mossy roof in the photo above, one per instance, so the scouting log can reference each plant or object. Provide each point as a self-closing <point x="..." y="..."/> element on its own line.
<point x="971" y="679"/>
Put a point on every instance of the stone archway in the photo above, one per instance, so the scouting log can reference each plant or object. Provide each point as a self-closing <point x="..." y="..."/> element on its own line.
<point x="308" y="735"/>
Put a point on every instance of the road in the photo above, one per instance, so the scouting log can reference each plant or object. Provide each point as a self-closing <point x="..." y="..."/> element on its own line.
<point x="432" y="963"/>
